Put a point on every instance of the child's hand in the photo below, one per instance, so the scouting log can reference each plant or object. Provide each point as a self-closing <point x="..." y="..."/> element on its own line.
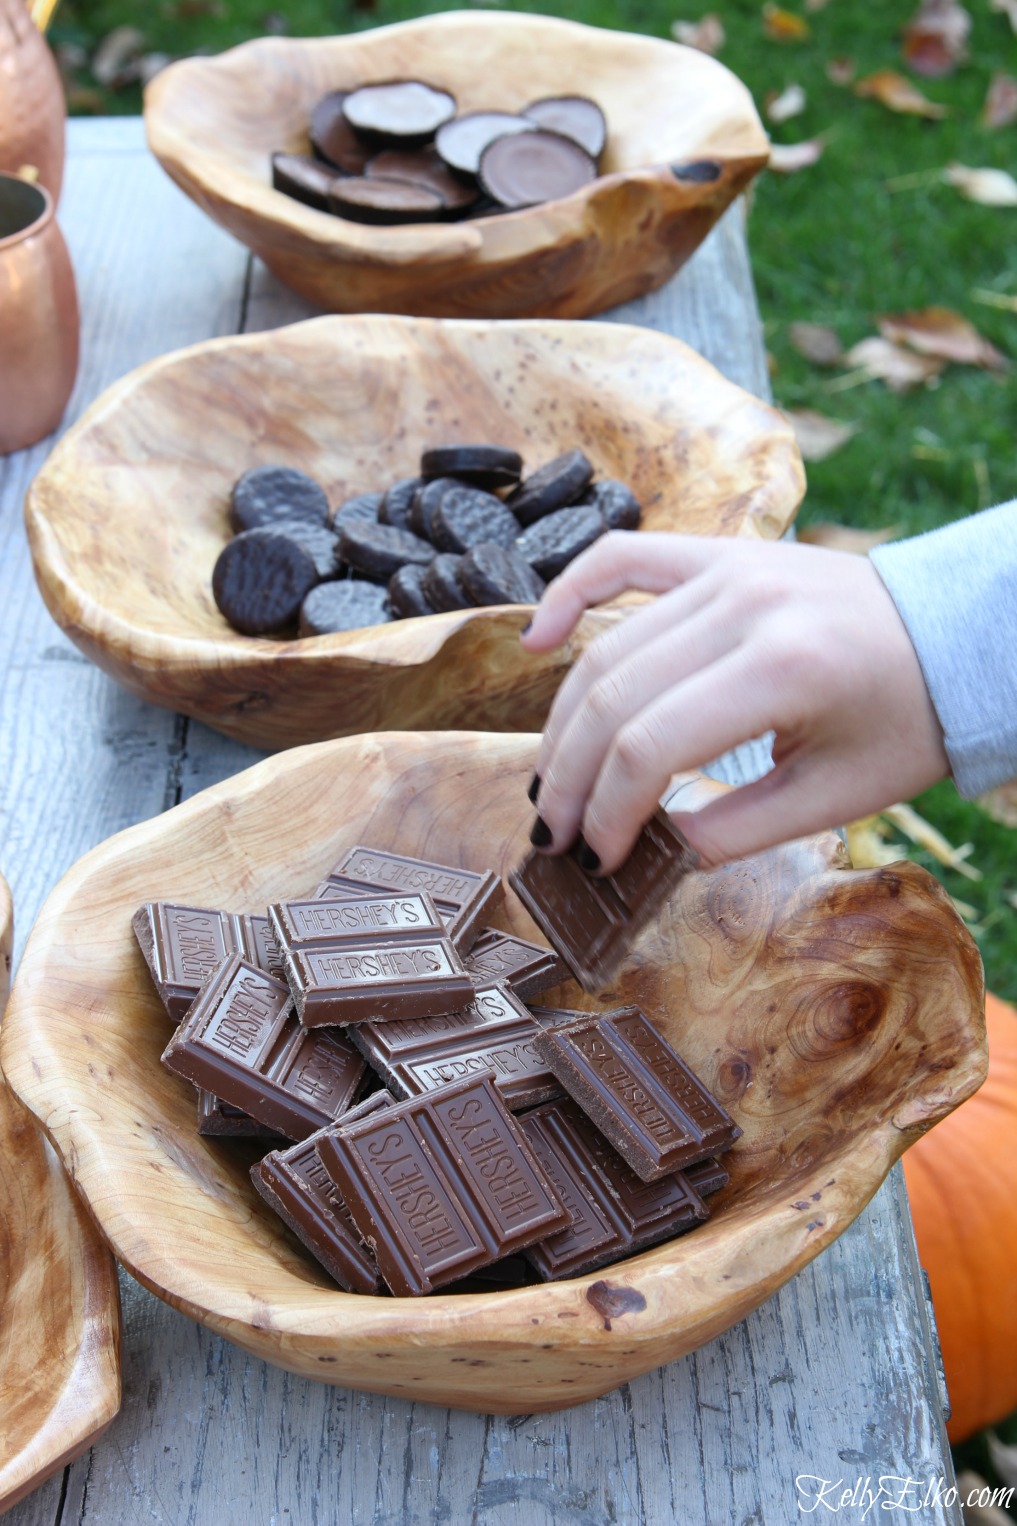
<point x="746" y="637"/>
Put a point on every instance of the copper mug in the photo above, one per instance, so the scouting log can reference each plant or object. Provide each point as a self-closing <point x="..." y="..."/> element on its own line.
<point x="38" y="316"/>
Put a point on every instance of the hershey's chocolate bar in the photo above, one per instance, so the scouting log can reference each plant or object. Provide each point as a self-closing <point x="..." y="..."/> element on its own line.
<point x="528" y="968"/>
<point x="323" y="924"/>
<point x="463" y="897"/>
<point x="221" y="1120"/>
<point x="182" y="945"/>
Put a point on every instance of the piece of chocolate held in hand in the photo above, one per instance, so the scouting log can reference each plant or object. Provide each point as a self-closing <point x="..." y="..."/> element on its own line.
<point x="444" y="540"/>
<point x="397" y="152"/>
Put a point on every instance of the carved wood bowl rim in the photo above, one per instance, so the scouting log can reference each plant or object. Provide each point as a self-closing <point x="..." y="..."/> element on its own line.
<point x="84" y="1009"/>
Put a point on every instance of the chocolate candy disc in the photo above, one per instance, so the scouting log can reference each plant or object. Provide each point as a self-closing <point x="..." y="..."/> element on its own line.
<point x="561" y="482"/>
<point x="441" y="584"/>
<point x="575" y="117"/>
<point x="395" y="505"/>
<point x="303" y="178"/>
<point x="467" y="515"/>
<point x="405" y="593"/>
<point x="462" y="141"/>
<point x="492" y="575"/>
<point x="376" y="200"/>
<point x="617" y="503"/>
<point x="380" y="550"/>
<point x="402" y="112"/>
<point x="348" y="605"/>
<point x="528" y="168"/>
<point x="425" y="500"/>
<point x="271" y="495"/>
<point x="487" y="466"/>
<point x="553" y="542"/>
<point x="332" y="137"/>
<point x="320" y="543"/>
<point x="260" y="581"/>
<point x="424" y="166"/>
<point x="363" y="507"/>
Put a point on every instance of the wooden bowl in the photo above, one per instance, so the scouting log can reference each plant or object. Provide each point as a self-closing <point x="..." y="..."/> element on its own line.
<point x="59" y="1304"/>
<point x="128" y="514"/>
<point x="214" y="123"/>
<point x="837" y="1014"/>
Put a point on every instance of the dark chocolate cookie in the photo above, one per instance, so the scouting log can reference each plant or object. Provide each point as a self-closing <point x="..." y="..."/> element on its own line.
<point x="396" y="502"/>
<point x="260" y="581"/>
<point x="552" y="487"/>
<point x="551" y="543"/>
<point x="492" y="575"/>
<point x="467" y="515"/>
<point x="333" y="139"/>
<point x="487" y="466"/>
<point x="425" y="500"/>
<point x="377" y="551"/>
<point x="345" y="606"/>
<point x="319" y="541"/>
<point x="574" y="116"/>
<point x="617" y="503"/>
<point x="303" y="178"/>
<point x="406" y="594"/>
<point x="372" y="199"/>
<point x="462" y="141"/>
<point x="402" y="113"/>
<point x="425" y="166"/>
<point x="269" y="495"/>
<point x="441" y="584"/>
<point x="364" y="507"/>
<point x="533" y="167"/>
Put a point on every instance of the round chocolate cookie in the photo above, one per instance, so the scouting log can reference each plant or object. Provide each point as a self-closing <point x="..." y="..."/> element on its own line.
<point x="467" y="515"/>
<point x="487" y="466"/>
<point x="575" y="117"/>
<point x="377" y="551"/>
<point x="260" y="580"/>
<point x="492" y="575"/>
<point x="617" y="503"/>
<point x="462" y="141"/>
<point x="406" y="594"/>
<point x="441" y="585"/>
<point x="366" y="200"/>
<point x="425" y="500"/>
<point x="332" y="137"/>
<point x="319" y="541"/>
<point x="551" y="543"/>
<point x="270" y="495"/>
<point x="553" y="486"/>
<point x="402" y="113"/>
<point x="533" y="167"/>
<point x="397" y="501"/>
<point x="303" y="178"/>
<point x="425" y="166"/>
<point x="364" y="507"/>
<point x="345" y="606"/>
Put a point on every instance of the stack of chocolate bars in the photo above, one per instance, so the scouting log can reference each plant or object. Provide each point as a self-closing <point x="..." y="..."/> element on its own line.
<point x="433" y="1127"/>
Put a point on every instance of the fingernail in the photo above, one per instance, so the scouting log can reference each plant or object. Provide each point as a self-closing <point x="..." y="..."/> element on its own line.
<point x="586" y="858"/>
<point x="541" y="837"/>
<point x="526" y="628"/>
<point x="534" y="789"/>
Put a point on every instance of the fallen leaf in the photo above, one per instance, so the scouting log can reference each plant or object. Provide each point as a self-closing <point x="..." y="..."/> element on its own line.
<point x="817" y="343"/>
<point x="940" y="331"/>
<point x="706" y="35"/>
<point x="900" y="368"/>
<point x="841" y="71"/>
<point x="1003" y="1459"/>
<point x="817" y="435"/>
<point x="898" y="94"/>
<point x="836" y="537"/>
<point x="782" y="25"/>
<point x="1000" y="107"/>
<point x="935" y="39"/>
<point x="969" y="1487"/>
<point x="789" y="103"/>
<point x="117" y="50"/>
<point x="992" y="188"/>
<point x="866" y="846"/>
<point x="994" y="299"/>
<point x="907" y="820"/>
<point x="1006" y="8"/>
<point x="1001" y="804"/>
<point x="787" y="158"/>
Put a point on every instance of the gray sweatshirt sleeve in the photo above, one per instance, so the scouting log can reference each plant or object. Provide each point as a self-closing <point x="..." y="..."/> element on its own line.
<point x="956" y="591"/>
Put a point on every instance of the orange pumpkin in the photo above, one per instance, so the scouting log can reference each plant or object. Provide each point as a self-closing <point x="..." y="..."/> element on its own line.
<point x="962" y="1183"/>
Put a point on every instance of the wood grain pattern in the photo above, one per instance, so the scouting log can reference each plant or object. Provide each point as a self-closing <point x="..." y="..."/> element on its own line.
<point x="622" y="235"/>
<point x="128" y="515"/>
<point x="836" y="1013"/>
<point x="59" y="1312"/>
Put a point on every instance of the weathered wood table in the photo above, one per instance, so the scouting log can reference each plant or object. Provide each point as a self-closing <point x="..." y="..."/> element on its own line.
<point x="834" y="1379"/>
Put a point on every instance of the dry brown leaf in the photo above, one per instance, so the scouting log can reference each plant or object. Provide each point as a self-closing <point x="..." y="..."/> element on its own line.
<point x="970" y="1486"/>
<point x="896" y="93"/>
<point x="782" y="25"/>
<point x="817" y="435"/>
<point x="706" y="35"/>
<point x="1000" y="107"/>
<point x="841" y="71"/>
<point x="992" y="188"/>
<point x="789" y="103"/>
<point x="1001" y="804"/>
<point x="935" y="39"/>
<point x="787" y="158"/>
<point x="1003" y="1458"/>
<point x="900" y="368"/>
<point x="817" y="343"/>
<point x="941" y="331"/>
<point x="1006" y="8"/>
<point x="118" y="50"/>
<point x="836" y="537"/>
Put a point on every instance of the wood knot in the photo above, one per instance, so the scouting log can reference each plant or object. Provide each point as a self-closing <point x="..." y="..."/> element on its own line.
<point x="611" y="1301"/>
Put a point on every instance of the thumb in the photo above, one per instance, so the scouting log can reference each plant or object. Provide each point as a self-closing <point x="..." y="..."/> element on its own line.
<point x="793" y="800"/>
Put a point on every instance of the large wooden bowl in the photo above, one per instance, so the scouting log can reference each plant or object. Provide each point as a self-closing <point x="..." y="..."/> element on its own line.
<point x="837" y="1013"/>
<point x="213" y="123"/>
<point x="128" y="515"/>
<point x="59" y="1304"/>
